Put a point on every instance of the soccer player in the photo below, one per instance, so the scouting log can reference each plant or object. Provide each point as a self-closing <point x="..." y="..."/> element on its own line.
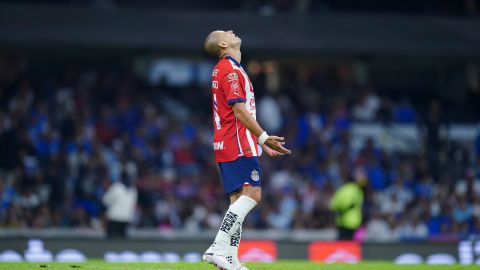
<point x="235" y="139"/>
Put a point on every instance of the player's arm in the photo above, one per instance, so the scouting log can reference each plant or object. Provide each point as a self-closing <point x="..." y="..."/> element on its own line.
<point x="267" y="142"/>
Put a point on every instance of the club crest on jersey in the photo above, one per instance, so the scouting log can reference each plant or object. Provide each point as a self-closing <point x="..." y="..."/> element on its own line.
<point x="232" y="77"/>
<point x="255" y="175"/>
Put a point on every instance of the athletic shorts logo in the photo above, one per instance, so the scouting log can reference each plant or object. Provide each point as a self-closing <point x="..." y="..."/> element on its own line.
<point x="255" y="175"/>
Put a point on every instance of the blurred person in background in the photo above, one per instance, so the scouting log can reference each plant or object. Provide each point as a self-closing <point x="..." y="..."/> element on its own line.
<point x="434" y="129"/>
<point x="236" y="134"/>
<point x="477" y="144"/>
<point x="347" y="204"/>
<point x="120" y="200"/>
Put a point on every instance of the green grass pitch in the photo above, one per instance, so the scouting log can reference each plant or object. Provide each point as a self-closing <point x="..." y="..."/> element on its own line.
<point x="280" y="265"/>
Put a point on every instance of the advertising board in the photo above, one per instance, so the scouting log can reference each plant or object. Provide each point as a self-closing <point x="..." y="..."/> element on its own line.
<point x="142" y="250"/>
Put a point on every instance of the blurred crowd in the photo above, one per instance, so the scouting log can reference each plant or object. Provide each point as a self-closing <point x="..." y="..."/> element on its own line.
<point x="67" y="134"/>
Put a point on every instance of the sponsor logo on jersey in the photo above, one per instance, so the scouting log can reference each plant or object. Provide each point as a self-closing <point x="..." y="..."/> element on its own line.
<point x="235" y="88"/>
<point x="218" y="145"/>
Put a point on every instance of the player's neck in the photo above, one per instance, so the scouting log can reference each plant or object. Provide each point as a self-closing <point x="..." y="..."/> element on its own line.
<point x="235" y="54"/>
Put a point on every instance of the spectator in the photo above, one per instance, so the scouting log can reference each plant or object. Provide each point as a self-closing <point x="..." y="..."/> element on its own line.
<point x="270" y="114"/>
<point x="347" y="206"/>
<point x="413" y="229"/>
<point x="120" y="200"/>
<point x="404" y="113"/>
<point x="433" y="138"/>
<point x="366" y="107"/>
<point x="379" y="228"/>
<point x="462" y="211"/>
<point x="477" y="143"/>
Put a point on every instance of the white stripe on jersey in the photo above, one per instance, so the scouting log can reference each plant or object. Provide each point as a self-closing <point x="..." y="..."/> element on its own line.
<point x="238" y="139"/>
<point x="248" y="93"/>
<point x="251" y="143"/>
<point x="249" y="96"/>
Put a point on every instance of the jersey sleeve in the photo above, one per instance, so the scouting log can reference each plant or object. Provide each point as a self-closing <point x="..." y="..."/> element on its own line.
<point x="234" y="86"/>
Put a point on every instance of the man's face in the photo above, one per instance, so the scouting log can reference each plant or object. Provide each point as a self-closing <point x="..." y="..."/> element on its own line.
<point x="230" y="38"/>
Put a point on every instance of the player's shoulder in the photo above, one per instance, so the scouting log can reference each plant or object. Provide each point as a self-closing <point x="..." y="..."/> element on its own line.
<point x="224" y="65"/>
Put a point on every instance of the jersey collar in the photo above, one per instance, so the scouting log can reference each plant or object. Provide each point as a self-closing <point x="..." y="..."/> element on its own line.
<point x="234" y="61"/>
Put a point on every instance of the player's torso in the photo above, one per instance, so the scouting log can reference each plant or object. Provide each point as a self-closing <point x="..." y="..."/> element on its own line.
<point x="231" y="138"/>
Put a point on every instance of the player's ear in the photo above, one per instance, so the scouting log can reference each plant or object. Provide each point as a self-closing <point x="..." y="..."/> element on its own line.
<point x="222" y="44"/>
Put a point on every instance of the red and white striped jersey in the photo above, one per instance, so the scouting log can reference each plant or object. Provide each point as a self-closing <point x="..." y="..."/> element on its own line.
<point x="230" y="84"/>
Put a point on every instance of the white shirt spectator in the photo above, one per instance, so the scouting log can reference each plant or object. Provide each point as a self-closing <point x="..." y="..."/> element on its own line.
<point x="462" y="186"/>
<point x="270" y="114"/>
<point x="389" y="203"/>
<point x="281" y="179"/>
<point x="413" y="230"/>
<point x="120" y="202"/>
<point x="419" y="230"/>
<point x="403" y="194"/>
<point x="367" y="108"/>
<point x="378" y="229"/>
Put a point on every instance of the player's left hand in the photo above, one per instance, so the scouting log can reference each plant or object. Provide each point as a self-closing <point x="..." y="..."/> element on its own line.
<point x="270" y="152"/>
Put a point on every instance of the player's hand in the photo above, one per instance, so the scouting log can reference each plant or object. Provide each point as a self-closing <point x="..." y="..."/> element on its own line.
<point x="276" y="143"/>
<point x="270" y="152"/>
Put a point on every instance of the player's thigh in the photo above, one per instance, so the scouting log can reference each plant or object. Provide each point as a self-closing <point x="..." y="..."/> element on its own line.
<point x="253" y="192"/>
<point x="234" y="196"/>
